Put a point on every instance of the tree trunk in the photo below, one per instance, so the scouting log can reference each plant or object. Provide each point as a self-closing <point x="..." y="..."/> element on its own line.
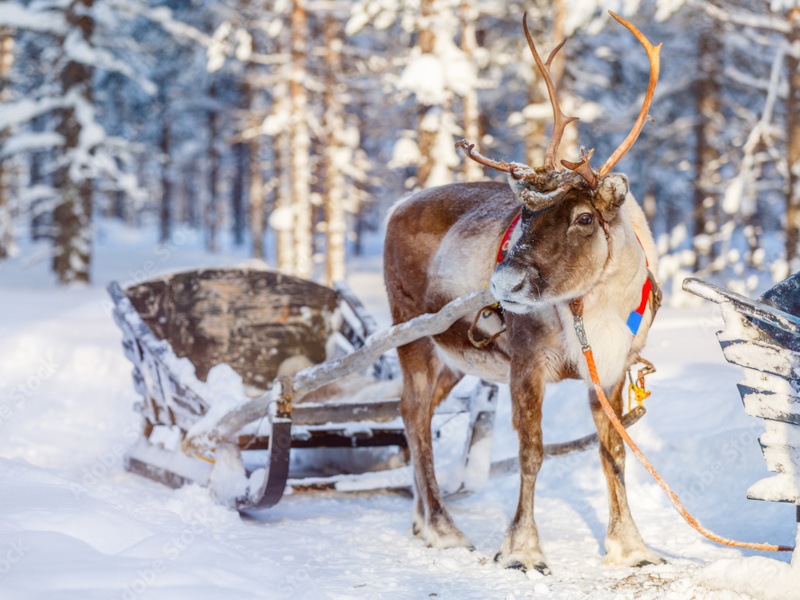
<point x="284" y="234"/>
<point x="72" y="218"/>
<point x="238" y="197"/>
<point x="472" y="170"/>
<point x="793" y="146"/>
<point x="256" y="198"/>
<point x="300" y="144"/>
<point x="6" y="224"/>
<point x="426" y="134"/>
<point x="333" y="192"/>
<point x="240" y="162"/>
<point x="165" y="208"/>
<point x="212" y="209"/>
<point x="186" y="211"/>
<point x="255" y="189"/>
<point x="707" y="142"/>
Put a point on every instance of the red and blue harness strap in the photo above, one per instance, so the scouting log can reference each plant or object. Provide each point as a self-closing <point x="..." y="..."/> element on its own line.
<point x="636" y="316"/>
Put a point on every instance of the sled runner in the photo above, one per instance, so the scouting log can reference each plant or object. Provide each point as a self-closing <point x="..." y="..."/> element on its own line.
<point x="763" y="337"/>
<point x="240" y="371"/>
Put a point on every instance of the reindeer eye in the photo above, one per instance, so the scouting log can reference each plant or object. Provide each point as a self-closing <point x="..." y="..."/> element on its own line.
<point x="585" y="219"/>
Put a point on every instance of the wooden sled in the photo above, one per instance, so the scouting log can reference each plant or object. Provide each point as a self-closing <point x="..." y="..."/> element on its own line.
<point x="763" y="337"/>
<point x="195" y="336"/>
<point x="221" y="358"/>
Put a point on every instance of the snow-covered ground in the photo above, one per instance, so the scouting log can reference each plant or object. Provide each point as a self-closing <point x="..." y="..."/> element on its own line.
<point x="74" y="524"/>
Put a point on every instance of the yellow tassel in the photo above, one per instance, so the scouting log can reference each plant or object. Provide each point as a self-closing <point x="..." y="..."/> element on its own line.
<point x="636" y="389"/>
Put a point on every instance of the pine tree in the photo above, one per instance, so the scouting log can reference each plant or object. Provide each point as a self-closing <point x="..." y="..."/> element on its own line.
<point x="6" y="218"/>
<point x="300" y="143"/>
<point x="793" y="144"/>
<point x="708" y="141"/>
<point x="334" y="186"/>
<point x="469" y="43"/>
<point x="72" y="217"/>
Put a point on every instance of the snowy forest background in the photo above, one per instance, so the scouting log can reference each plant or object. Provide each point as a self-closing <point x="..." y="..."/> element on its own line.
<point x="289" y="126"/>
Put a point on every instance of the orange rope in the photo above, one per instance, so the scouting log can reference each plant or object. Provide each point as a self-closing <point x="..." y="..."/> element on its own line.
<point x="612" y="416"/>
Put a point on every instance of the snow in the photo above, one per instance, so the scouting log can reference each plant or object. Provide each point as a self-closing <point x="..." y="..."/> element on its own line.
<point x="433" y="78"/>
<point x="76" y="525"/>
<point x="219" y="49"/>
<point x="282" y="218"/>
<point x="404" y="154"/>
<point x="424" y="76"/>
<point x="757" y="576"/>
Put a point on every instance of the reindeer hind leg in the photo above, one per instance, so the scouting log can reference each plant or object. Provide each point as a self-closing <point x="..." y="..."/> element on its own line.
<point x="426" y="382"/>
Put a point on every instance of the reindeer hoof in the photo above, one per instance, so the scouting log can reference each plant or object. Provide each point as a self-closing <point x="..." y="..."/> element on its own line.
<point x="441" y="534"/>
<point x="617" y="556"/>
<point x="650" y="561"/>
<point x="541" y="566"/>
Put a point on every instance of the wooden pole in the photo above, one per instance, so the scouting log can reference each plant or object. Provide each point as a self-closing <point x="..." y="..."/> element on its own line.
<point x="211" y="432"/>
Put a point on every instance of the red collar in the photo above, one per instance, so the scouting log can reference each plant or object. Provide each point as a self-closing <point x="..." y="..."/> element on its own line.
<point x="502" y="251"/>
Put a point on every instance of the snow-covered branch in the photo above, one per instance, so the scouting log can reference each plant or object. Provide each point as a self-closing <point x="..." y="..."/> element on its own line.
<point x="79" y="50"/>
<point x="741" y="18"/>
<point x="740" y="186"/>
<point x="30" y="142"/>
<point x="163" y="16"/>
<point x="22" y="111"/>
<point x="17" y="16"/>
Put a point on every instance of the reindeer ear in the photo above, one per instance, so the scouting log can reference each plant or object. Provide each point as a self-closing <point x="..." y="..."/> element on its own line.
<point x="611" y="193"/>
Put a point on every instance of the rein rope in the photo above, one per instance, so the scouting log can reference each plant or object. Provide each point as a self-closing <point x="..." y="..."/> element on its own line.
<point x="577" y="312"/>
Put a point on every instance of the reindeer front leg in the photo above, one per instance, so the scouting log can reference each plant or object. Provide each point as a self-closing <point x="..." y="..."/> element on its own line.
<point x="624" y="544"/>
<point x="521" y="548"/>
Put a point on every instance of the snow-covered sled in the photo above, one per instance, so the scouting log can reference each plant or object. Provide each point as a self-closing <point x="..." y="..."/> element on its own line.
<point x="763" y="337"/>
<point x="206" y="342"/>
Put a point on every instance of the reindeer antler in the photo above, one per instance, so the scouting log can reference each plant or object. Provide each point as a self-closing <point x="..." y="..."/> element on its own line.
<point x="655" y="65"/>
<point x="560" y="120"/>
<point x="500" y="165"/>
<point x="582" y="168"/>
<point x="469" y="150"/>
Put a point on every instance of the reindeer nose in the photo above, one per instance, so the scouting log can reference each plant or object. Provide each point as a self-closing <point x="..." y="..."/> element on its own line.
<point x="507" y="281"/>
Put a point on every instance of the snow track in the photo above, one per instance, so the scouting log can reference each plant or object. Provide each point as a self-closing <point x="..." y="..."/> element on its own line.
<point x="74" y="524"/>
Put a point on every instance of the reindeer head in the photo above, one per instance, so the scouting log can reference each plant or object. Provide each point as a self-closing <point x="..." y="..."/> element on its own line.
<point x="560" y="248"/>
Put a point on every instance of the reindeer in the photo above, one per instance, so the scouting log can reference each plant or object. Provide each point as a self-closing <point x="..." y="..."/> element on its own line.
<point x="577" y="243"/>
